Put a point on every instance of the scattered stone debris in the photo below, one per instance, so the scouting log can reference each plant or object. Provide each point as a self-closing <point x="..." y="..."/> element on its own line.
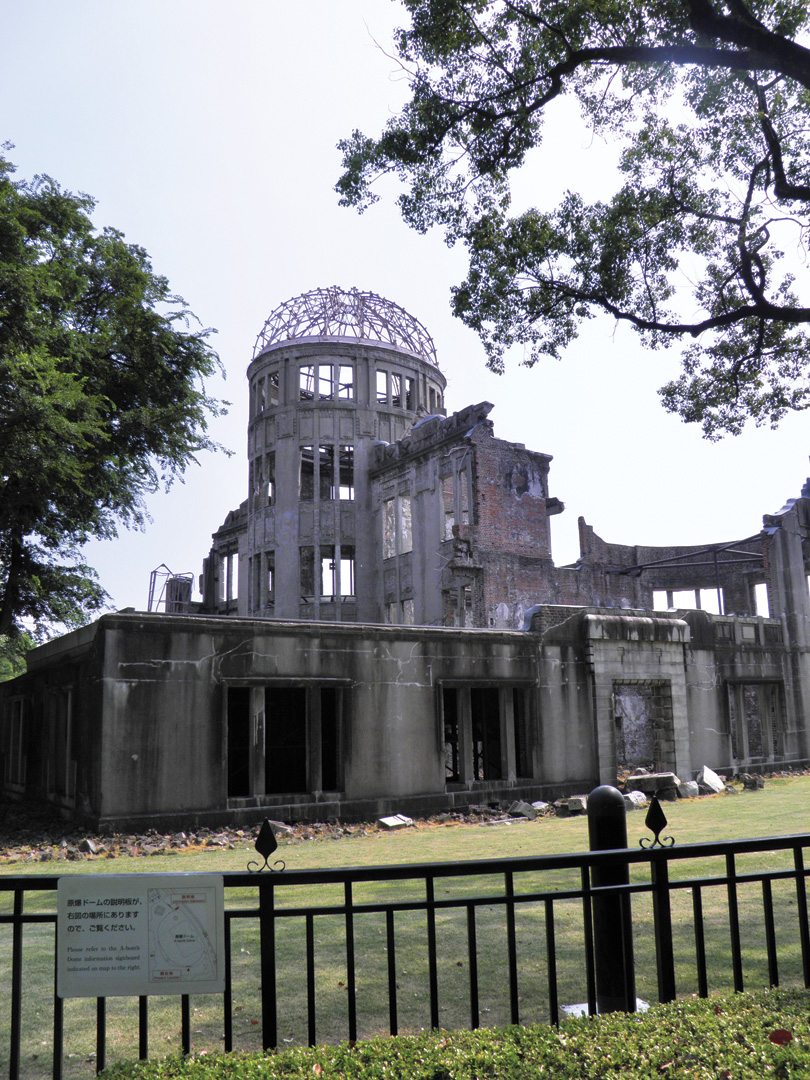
<point x="31" y="833"/>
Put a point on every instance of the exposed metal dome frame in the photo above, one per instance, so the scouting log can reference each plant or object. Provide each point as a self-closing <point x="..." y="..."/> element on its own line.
<point x="337" y="312"/>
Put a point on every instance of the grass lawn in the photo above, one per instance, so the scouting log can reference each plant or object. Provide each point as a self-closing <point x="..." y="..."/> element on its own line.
<point x="780" y="808"/>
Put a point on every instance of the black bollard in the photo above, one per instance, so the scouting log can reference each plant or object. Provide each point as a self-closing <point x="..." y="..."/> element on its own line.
<point x="612" y="921"/>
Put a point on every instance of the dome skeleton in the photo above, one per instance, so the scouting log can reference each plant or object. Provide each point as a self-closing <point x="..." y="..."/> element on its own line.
<point x="336" y="312"/>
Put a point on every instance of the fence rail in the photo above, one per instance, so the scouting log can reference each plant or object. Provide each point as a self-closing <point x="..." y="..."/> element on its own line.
<point x="504" y="941"/>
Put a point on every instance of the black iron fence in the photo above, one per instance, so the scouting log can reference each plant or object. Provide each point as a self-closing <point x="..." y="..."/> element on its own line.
<point x="346" y="953"/>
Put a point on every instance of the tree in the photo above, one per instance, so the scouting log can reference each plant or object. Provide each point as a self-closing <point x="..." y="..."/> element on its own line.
<point x="102" y="397"/>
<point x="709" y="102"/>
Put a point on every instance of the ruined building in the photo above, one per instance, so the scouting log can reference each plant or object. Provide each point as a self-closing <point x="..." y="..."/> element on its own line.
<point x="382" y="626"/>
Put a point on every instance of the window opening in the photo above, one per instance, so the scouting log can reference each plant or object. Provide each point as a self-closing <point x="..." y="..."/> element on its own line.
<point x="262" y="396"/>
<point x="346" y="382"/>
<point x="346" y="472"/>
<point x="408" y="618"/>
<point x="273" y="389"/>
<point x="270" y="477"/>
<point x="306" y="382"/>
<point x="452" y="763"/>
<point x="325" y="387"/>
<point x="382" y="387"/>
<point x="330" y="718"/>
<point x="410" y="394"/>
<point x="449" y="507"/>
<point x="396" y="390"/>
<point x="329" y="573"/>
<point x="405" y="530"/>
<point x="307" y="474"/>
<point x="389" y="529"/>
<point x="347" y="572"/>
<point x="326" y="472"/>
<point x="486" y="733"/>
<point x="285" y="740"/>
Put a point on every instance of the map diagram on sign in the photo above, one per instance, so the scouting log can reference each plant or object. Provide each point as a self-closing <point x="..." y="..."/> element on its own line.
<point x="182" y="935"/>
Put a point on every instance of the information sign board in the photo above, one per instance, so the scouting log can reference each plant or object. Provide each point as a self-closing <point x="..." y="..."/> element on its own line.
<point x="121" y="935"/>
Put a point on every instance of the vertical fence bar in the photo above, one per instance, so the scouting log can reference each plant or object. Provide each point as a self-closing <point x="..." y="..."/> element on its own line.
<point x="551" y="961"/>
<point x="511" y="937"/>
<point x="58" y="1026"/>
<point x="143" y="1027"/>
<point x="801" y="904"/>
<point x="267" y="949"/>
<point x="700" y="941"/>
<point x="432" y="974"/>
<point x="311" y="979"/>
<point x="227" y="999"/>
<point x="662" y="921"/>
<point x="16" y="986"/>
<point x="734" y="922"/>
<point x="350" y="969"/>
<point x="770" y="932"/>
<point x="101" y="1034"/>
<point x="185" y="1024"/>
<point x="587" y="915"/>
<point x="472" y="954"/>
<point x="392" y="972"/>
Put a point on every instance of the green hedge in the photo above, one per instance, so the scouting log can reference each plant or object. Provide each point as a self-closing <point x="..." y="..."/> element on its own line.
<point x="730" y="1038"/>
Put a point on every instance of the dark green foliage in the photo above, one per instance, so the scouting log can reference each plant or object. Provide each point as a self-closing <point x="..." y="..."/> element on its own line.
<point x="101" y="396"/>
<point x="709" y="102"/>
<point x="13" y="648"/>
<point x="688" y="1040"/>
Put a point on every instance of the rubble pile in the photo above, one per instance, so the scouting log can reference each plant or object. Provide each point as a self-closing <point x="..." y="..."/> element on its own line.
<point x="37" y="834"/>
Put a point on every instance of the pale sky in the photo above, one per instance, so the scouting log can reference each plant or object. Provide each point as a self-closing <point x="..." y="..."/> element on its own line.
<point x="207" y="134"/>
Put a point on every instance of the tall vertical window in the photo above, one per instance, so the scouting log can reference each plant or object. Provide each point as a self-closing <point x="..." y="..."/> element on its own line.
<point x="273" y="389"/>
<point x="389" y="529"/>
<point x="410" y="394"/>
<point x="306" y="382"/>
<point x="325" y="387"/>
<point x="270" y="477"/>
<point x="405" y="531"/>
<point x="347" y="589"/>
<point x="346" y="382"/>
<point x="346" y="479"/>
<point x="382" y="387"/>
<point x="326" y="472"/>
<point x="306" y="488"/>
<point x="396" y="390"/>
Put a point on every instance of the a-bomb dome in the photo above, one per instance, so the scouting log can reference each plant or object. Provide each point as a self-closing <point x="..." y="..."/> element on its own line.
<point x="337" y="312"/>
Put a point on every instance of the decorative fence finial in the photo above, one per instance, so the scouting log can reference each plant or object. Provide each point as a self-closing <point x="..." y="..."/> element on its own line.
<point x="266" y="844"/>
<point x="656" y="822"/>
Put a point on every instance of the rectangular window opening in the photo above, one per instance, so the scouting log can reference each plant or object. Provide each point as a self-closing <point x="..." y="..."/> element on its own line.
<point x="273" y="389"/>
<point x="325" y="387"/>
<point x="307" y="573"/>
<point x="396" y="390"/>
<point x="382" y="387"/>
<point x="347" y="472"/>
<point x="306" y="490"/>
<point x="346" y="382"/>
<point x="270" y="477"/>
<point x="486" y="733"/>
<point x="410" y="395"/>
<point x="306" y="382"/>
<point x="405" y="529"/>
<point x="389" y="529"/>
<point x="452" y="761"/>
<point x="326" y="472"/>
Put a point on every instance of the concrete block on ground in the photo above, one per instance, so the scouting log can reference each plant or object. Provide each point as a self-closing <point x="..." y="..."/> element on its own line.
<point x="652" y="783"/>
<point x="577" y="804"/>
<point x="688" y="789"/>
<point x="637" y="798"/>
<point x="519" y="808"/>
<point x="394" y="821"/>
<point x="709" y="779"/>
